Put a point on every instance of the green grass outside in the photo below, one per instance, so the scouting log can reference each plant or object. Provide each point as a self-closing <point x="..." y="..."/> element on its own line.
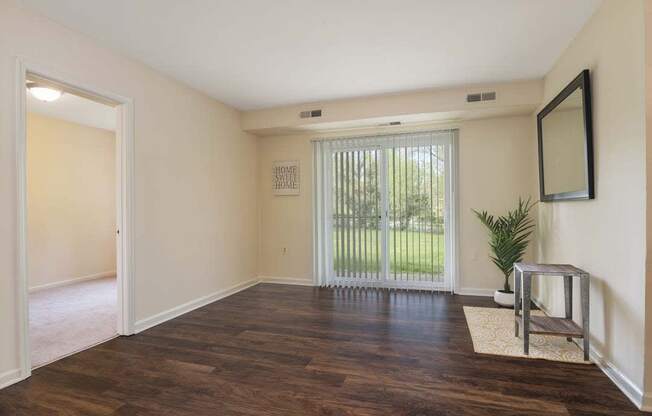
<point x="414" y="252"/>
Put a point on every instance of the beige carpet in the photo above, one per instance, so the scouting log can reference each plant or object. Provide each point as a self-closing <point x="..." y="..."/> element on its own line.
<point x="492" y="331"/>
<point x="68" y="319"/>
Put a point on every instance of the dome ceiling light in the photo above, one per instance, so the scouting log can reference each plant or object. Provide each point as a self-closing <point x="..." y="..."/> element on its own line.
<point x="44" y="93"/>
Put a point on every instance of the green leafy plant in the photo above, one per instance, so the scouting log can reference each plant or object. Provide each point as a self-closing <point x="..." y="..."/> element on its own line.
<point x="508" y="236"/>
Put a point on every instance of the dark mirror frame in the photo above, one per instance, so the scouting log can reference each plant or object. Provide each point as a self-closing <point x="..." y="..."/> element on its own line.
<point x="581" y="81"/>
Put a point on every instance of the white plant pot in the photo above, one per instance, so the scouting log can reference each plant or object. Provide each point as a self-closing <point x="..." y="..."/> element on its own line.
<point x="505" y="299"/>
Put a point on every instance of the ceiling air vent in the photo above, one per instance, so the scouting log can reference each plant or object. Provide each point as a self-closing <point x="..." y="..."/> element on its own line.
<point x="489" y="96"/>
<point x="310" y="114"/>
<point x="391" y="123"/>
<point x="472" y="98"/>
<point x="481" y="96"/>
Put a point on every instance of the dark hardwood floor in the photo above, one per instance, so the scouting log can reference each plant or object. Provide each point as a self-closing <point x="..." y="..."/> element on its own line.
<point x="292" y="350"/>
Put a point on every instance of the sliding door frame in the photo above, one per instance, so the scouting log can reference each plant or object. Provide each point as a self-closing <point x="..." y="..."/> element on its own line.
<point x="324" y="208"/>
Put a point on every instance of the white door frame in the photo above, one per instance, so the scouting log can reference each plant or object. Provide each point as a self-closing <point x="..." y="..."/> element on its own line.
<point x="451" y="216"/>
<point x="124" y="202"/>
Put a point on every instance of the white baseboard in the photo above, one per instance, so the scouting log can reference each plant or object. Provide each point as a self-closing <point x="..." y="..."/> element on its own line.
<point x="286" y="280"/>
<point x="10" y="377"/>
<point x="172" y="313"/>
<point x="467" y="291"/>
<point x="627" y="386"/>
<point x="100" y="275"/>
<point x="646" y="405"/>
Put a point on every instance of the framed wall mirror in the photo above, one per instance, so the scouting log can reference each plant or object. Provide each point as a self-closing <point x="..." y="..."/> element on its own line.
<point x="565" y="136"/>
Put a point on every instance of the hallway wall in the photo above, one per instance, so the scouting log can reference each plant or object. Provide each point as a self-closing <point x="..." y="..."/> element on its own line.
<point x="71" y="204"/>
<point x="195" y="178"/>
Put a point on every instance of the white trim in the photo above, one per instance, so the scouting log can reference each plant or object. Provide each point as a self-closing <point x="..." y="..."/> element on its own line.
<point x="72" y="281"/>
<point x="125" y="217"/>
<point x="10" y="377"/>
<point x="469" y="291"/>
<point x="627" y="386"/>
<point x="172" y="313"/>
<point x="21" y="206"/>
<point x="126" y="223"/>
<point x="646" y="403"/>
<point x="287" y="280"/>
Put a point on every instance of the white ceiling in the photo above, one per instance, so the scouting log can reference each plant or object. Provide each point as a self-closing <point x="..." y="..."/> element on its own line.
<point x="262" y="53"/>
<point x="75" y="109"/>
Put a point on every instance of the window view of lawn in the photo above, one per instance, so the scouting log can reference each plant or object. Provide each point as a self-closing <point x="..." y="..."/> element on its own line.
<point x="410" y="252"/>
<point x="413" y="190"/>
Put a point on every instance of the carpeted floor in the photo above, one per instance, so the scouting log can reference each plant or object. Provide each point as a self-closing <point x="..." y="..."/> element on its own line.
<point x="68" y="319"/>
<point x="492" y="332"/>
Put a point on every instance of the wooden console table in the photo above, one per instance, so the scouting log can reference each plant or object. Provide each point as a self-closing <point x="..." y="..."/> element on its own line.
<point x="546" y="325"/>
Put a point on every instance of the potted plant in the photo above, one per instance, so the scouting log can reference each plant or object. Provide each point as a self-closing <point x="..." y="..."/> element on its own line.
<point x="508" y="239"/>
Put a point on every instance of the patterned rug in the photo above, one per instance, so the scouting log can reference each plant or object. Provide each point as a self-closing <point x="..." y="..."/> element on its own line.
<point x="492" y="331"/>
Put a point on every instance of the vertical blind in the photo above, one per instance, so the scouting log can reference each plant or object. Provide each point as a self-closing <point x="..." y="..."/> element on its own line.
<point x="356" y="214"/>
<point x="382" y="210"/>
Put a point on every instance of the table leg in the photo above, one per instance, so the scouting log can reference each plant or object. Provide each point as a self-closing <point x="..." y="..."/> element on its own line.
<point x="517" y="299"/>
<point x="527" y="285"/>
<point x="568" y="296"/>
<point x="584" y="282"/>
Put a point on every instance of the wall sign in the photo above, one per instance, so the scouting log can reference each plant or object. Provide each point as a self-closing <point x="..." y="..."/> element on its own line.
<point x="285" y="177"/>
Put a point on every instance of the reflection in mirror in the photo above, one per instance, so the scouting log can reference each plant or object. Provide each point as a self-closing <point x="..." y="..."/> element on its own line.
<point x="564" y="150"/>
<point x="565" y="136"/>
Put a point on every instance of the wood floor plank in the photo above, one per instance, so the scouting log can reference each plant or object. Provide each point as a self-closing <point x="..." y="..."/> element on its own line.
<point x="293" y="350"/>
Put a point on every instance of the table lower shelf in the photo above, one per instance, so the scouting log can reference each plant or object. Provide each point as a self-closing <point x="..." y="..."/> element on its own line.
<point x="547" y="325"/>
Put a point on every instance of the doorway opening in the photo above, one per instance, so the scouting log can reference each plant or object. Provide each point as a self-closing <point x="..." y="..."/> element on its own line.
<point x="71" y="222"/>
<point x="74" y="244"/>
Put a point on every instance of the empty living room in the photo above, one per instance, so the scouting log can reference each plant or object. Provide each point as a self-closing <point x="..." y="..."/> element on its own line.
<point x="347" y="207"/>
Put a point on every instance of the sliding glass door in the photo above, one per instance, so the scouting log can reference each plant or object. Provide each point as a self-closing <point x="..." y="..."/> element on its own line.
<point x="417" y="215"/>
<point x="357" y="220"/>
<point x="387" y="219"/>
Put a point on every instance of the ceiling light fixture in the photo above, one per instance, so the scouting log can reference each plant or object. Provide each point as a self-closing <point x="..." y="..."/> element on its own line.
<point x="44" y="93"/>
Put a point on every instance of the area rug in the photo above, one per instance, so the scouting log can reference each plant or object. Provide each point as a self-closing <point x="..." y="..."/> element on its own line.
<point x="67" y="319"/>
<point x="492" y="331"/>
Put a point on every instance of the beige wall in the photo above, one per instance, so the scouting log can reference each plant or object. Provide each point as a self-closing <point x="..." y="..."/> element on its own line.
<point x="195" y="173"/>
<point x="285" y="221"/>
<point x="495" y="164"/>
<point x="648" y="222"/>
<point x="416" y="106"/>
<point x="606" y="236"/>
<point x="70" y="200"/>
